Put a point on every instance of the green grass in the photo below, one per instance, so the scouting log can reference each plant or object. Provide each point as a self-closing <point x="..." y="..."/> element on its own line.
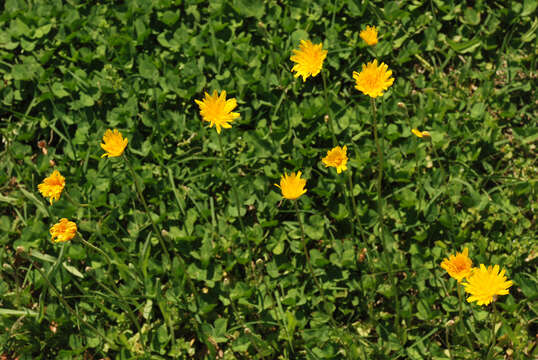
<point x="465" y="71"/>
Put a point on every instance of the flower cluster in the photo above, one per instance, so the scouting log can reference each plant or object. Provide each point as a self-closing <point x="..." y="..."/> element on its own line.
<point x="483" y="284"/>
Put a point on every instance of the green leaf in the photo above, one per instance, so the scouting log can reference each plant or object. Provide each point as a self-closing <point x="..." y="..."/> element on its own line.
<point x="253" y="8"/>
<point x="146" y="68"/>
<point x="465" y="46"/>
<point x="73" y="270"/>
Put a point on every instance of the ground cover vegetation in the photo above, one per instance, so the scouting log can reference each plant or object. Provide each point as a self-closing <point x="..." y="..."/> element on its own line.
<point x="268" y="179"/>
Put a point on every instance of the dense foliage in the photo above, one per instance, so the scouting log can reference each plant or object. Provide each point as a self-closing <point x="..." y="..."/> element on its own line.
<point x="204" y="278"/>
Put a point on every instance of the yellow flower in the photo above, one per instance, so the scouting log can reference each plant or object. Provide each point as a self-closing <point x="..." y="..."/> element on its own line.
<point x="309" y="59"/>
<point x="52" y="186"/>
<point x="336" y="157"/>
<point x="373" y="79"/>
<point x="458" y="266"/>
<point x="420" y="134"/>
<point x="63" y="231"/>
<point x="292" y="185"/>
<point x="114" y="143"/>
<point x="369" y="35"/>
<point x="217" y="110"/>
<point x="485" y="284"/>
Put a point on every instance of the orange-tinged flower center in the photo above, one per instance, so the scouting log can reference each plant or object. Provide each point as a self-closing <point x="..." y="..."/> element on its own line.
<point x="217" y="110"/>
<point x="309" y="59"/>
<point x="64" y="230"/>
<point x="373" y="79"/>
<point x="52" y="186"/>
<point x="292" y="186"/>
<point x="337" y="158"/>
<point x="113" y="143"/>
<point x="458" y="266"/>
<point x="369" y="35"/>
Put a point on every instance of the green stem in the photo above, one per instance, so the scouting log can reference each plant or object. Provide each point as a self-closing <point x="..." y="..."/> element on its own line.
<point x="380" y="166"/>
<point x="67" y="306"/>
<point x="180" y="259"/>
<point x="306" y="254"/>
<point x="330" y="120"/>
<point x="117" y="291"/>
<point x="146" y="208"/>
<point x="494" y="317"/>
<point x="73" y="201"/>
<point x="311" y="269"/>
<point x="354" y="204"/>
<point x="464" y="331"/>
<point x="435" y="154"/>
<point x="234" y="189"/>
<point x="51" y="273"/>
<point x="447" y="340"/>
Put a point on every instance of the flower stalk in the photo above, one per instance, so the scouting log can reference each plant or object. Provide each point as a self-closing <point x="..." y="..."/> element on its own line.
<point x="493" y="342"/>
<point x="462" y="322"/>
<point x="116" y="290"/>
<point x="305" y="249"/>
<point x="329" y="115"/>
<point x="234" y="189"/>
<point x="380" y="166"/>
<point x="146" y="208"/>
<point x="66" y="304"/>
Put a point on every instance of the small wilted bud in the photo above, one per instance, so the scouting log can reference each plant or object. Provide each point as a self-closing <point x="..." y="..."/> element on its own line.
<point x="326" y="118"/>
<point x="42" y="144"/>
<point x="52" y="163"/>
<point x="205" y="290"/>
<point x="164" y="233"/>
<point x="20" y="250"/>
<point x="401" y="105"/>
<point x="362" y="255"/>
<point x="450" y="323"/>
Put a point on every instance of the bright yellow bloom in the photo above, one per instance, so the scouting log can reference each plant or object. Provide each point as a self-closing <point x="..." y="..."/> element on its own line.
<point x="485" y="284"/>
<point x="336" y="157"/>
<point x="309" y="59"/>
<point x="114" y="143"/>
<point x="373" y="79"/>
<point x="458" y="266"/>
<point x="52" y="186"/>
<point x="217" y="110"/>
<point x="292" y="186"/>
<point x="63" y="231"/>
<point x="420" y="134"/>
<point x="369" y="35"/>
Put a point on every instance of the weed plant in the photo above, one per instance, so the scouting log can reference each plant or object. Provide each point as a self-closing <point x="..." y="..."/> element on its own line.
<point x="401" y="136"/>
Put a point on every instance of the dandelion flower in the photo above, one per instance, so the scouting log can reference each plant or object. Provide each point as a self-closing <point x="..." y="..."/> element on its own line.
<point x="217" y="110"/>
<point x="420" y="134"/>
<point x="369" y="35"/>
<point x="458" y="266"/>
<point x="63" y="231"/>
<point x="336" y="157"/>
<point x="114" y="143"/>
<point x="309" y="59"/>
<point x="373" y="79"/>
<point x="485" y="284"/>
<point x="52" y="186"/>
<point x="292" y="186"/>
